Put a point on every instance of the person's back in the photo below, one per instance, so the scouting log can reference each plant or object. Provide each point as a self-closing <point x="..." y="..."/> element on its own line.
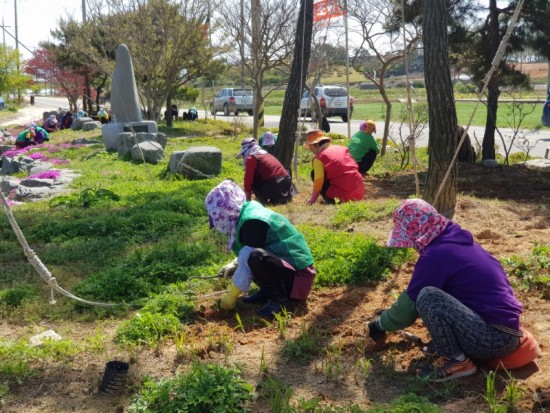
<point x="362" y="146"/>
<point x="346" y="183"/>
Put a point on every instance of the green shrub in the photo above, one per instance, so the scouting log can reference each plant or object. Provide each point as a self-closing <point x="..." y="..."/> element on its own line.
<point x="146" y="328"/>
<point x="206" y="388"/>
<point x="14" y="296"/>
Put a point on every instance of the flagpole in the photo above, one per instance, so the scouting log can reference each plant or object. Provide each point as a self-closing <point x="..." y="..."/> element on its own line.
<point x="347" y="67"/>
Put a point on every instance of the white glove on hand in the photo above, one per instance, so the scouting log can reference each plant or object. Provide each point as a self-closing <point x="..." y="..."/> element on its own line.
<point x="228" y="270"/>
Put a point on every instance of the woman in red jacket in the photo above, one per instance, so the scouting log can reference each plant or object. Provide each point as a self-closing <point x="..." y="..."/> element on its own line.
<point x="264" y="175"/>
<point x="335" y="173"/>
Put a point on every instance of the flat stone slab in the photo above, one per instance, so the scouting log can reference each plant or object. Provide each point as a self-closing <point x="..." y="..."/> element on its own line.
<point x="199" y="162"/>
<point x="538" y="164"/>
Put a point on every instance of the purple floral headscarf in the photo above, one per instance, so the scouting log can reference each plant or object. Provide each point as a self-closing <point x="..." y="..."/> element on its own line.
<point x="249" y="147"/>
<point x="416" y="224"/>
<point x="224" y="204"/>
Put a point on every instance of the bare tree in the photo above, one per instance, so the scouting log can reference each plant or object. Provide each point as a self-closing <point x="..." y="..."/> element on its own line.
<point x="380" y="47"/>
<point x="441" y="186"/>
<point x="261" y="45"/>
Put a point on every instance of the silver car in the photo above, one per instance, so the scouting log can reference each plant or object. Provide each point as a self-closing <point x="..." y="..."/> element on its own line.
<point x="332" y="99"/>
<point x="232" y="100"/>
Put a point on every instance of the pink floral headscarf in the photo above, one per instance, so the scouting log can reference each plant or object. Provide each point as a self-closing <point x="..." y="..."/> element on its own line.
<point x="224" y="204"/>
<point x="416" y="224"/>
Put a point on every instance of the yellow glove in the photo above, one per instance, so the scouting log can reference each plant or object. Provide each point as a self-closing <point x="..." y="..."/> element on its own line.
<point x="229" y="300"/>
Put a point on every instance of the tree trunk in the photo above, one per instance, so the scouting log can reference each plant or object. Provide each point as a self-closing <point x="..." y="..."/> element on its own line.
<point x="387" y="121"/>
<point x="443" y="122"/>
<point x="169" y="120"/>
<point x="493" y="91"/>
<point x="288" y="124"/>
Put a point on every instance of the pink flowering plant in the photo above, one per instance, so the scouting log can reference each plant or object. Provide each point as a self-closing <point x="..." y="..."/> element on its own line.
<point x="51" y="174"/>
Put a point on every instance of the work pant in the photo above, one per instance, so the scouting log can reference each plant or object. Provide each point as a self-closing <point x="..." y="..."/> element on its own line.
<point x="366" y="162"/>
<point x="456" y="329"/>
<point x="271" y="274"/>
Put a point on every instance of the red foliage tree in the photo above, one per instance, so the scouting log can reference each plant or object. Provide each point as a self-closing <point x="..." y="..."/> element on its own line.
<point x="44" y="67"/>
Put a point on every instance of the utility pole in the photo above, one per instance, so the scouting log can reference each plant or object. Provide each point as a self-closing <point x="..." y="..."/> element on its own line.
<point x="17" y="46"/>
<point x="86" y="104"/>
<point x="4" y="32"/>
<point x="242" y="43"/>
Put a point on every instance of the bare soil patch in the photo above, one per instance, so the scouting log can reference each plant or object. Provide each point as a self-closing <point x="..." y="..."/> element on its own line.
<point x="507" y="210"/>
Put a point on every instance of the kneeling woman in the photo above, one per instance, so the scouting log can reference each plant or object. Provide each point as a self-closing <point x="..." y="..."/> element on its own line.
<point x="270" y="251"/>
<point x="264" y="175"/>
<point x="460" y="292"/>
<point x="335" y="173"/>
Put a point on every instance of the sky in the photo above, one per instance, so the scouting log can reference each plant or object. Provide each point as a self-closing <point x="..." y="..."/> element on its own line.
<point x="37" y="17"/>
<point x="35" y="20"/>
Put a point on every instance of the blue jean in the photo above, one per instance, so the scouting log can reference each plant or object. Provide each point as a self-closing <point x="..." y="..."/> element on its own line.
<point x="456" y="329"/>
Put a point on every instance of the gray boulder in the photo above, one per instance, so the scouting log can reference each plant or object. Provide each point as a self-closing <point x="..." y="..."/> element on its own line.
<point x="78" y="122"/>
<point x="128" y="139"/>
<point x="199" y="162"/>
<point x="148" y="151"/>
<point x="490" y="163"/>
<point x="39" y="167"/>
<point x="93" y="125"/>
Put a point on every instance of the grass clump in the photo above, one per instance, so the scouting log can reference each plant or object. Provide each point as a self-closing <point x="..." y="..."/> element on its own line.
<point x="406" y="404"/>
<point x="302" y="349"/>
<point x="353" y="212"/>
<point x="532" y="272"/>
<point x="147" y="328"/>
<point x="172" y="302"/>
<point x="206" y="388"/>
<point x="19" y="360"/>
<point x="342" y="258"/>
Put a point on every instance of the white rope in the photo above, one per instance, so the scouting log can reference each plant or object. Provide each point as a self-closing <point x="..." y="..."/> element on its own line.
<point x="494" y="65"/>
<point x="38" y="265"/>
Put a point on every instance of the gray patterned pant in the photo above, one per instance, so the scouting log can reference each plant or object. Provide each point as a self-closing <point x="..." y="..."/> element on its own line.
<point x="456" y="329"/>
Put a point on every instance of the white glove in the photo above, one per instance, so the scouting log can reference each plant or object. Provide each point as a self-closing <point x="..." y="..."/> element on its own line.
<point x="228" y="270"/>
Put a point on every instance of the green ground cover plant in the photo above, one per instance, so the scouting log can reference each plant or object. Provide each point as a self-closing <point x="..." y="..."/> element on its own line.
<point x="532" y="272"/>
<point x="343" y="258"/>
<point x="146" y="241"/>
<point x="19" y="360"/>
<point x="205" y="388"/>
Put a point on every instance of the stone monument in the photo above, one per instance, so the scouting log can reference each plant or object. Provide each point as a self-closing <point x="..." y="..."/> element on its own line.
<point x="125" y="110"/>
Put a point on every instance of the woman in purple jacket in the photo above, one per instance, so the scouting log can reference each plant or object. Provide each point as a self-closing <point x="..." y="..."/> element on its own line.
<point x="458" y="289"/>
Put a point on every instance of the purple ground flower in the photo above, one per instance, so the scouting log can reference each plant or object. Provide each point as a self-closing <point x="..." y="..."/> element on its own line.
<point x="15" y="152"/>
<point x="37" y="155"/>
<point x="47" y="175"/>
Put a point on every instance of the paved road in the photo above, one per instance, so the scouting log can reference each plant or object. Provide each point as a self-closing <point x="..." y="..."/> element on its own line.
<point x="538" y="141"/>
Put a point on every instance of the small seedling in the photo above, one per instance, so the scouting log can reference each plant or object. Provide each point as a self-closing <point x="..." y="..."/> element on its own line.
<point x="283" y="321"/>
<point x="239" y="325"/>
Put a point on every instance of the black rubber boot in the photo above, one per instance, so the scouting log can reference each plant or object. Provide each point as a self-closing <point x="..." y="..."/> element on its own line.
<point x="258" y="297"/>
<point x="271" y="308"/>
<point x="278" y="300"/>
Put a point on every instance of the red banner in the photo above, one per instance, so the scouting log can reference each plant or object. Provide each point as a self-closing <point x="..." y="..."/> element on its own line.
<point x="326" y="9"/>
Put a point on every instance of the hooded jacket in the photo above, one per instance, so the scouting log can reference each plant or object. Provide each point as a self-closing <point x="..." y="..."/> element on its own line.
<point x="456" y="264"/>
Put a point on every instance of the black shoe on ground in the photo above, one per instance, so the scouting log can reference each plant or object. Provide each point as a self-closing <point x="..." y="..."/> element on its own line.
<point x="256" y="298"/>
